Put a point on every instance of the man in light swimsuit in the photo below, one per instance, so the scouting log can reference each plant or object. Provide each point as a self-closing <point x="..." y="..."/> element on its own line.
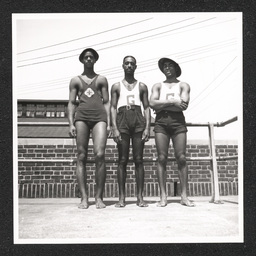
<point x="129" y="123"/>
<point x="91" y="115"/>
<point x="169" y="99"/>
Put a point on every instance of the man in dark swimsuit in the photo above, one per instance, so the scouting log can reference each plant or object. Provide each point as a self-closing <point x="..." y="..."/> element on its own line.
<point x="129" y="123"/>
<point x="169" y="99"/>
<point x="92" y="114"/>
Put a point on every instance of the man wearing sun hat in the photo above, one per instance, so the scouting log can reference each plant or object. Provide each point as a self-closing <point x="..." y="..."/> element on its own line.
<point x="169" y="99"/>
<point x="91" y="115"/>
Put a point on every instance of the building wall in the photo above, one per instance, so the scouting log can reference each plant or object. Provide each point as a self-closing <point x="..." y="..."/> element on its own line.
<point x="58" y="179"/>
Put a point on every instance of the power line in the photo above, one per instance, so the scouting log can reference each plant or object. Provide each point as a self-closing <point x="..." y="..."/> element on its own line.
<point x="85" y="36"/>
<point x="146" y="63"/>
<point x="116" y="77"/>
<point x="117" y="44"/>
<point x="154" y="61"/>
<point x="139" y="72"/>
<point x="209" y="25"/>
<point x="212" y="91"/>
<point x="145" y="31"/>
<point x="217" y="85"/>
<point x="210" y="84"/>
<point x="213" y="48"/>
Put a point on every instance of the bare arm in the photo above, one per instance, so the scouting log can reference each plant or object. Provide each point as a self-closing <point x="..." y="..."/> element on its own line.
<point x="115" y="92"/>
<point x="147" y="115"/>
<point x="170" y="104"/>
<point x="185" y="95"/>
<point x="73" y="89"/>
<point x="154" y="101"/>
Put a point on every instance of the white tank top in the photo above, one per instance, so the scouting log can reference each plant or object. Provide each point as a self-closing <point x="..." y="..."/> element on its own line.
<point x="127" y="97"/>
<point x="166" y="93"/>
<point x="173" y="92"/>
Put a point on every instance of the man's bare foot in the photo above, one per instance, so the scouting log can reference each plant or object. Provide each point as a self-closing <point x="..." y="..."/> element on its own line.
<point x="120" y="204"/>
<point x="84" y="204"/>
<point x="99" y="204"/>
<point x="141" y="203"/>
<point x="186" y="202"/>
<point x="162" y="202"/>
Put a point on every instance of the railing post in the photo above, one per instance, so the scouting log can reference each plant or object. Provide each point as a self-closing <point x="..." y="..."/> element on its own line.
<point x="215" y="181"/>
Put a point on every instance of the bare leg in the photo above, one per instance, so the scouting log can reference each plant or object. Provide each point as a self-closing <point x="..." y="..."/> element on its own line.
<point x="99" y="136"/>
<point x="123" y="153"/>
<point x="138" y="146"/>
<point x="179" y="144"/>
<point x="162" y="145"/>
<point x="82" y="138"/>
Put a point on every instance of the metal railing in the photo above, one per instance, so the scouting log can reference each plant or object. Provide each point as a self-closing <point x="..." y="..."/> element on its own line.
<point x="212" y="157"/>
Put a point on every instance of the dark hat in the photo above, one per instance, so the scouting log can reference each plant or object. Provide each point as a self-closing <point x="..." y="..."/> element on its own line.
<point x="95" y="54"/>
<point x="177" y="67"/>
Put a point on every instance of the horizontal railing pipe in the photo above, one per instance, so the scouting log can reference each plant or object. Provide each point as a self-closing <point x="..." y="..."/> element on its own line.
<point x="219" y="124"/>
<point x="206" y="158"/>
<point x="43" y="124"/>
<point x="227" y="122"/>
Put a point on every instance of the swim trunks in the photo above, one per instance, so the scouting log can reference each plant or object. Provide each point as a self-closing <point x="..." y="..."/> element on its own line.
<point x="170" y="122"/>
<point x="130" y="119"/>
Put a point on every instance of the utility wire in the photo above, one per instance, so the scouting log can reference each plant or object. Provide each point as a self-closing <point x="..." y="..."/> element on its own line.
<point x="210" y="84"/>
<point x="85" y="36"/>
<point x="116" y="44"/>
<point x="126" y="36"/>
<point x="116" y="77"/>
<point x="154" y="69"/>
<point x="209" y="25"/>
<point x="200" y="51"/>
<point x="204" y="109"/>
<point x="108" y="72"/>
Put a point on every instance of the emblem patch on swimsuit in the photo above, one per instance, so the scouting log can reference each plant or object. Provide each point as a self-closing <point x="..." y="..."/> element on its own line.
<point x="89" y="92"/>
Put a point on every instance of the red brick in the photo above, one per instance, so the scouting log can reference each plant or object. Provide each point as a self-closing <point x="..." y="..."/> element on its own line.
<point x="30" y="146"/>
<point x="22" y="151"/>
<point x="67" y="181"/>
<point x="60" y="151"/>
<point x="29" y="155"/>
<point x="193" y="151"/>
<point x="37" y="176"/>
<point x="48" y="155"/>
<point x="69" y="146"/>
<point x="231" y="151"/>
<point x="45" y="172"/>
<point x="202" y="146"/>
<point x="49" y="146"/>
<point x="26" y="173"/>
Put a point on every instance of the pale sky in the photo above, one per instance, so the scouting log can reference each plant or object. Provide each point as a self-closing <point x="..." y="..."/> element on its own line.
<point x="208" y="47"/>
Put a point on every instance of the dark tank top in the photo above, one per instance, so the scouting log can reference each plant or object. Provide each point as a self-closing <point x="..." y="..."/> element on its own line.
<point x="90" y="106"/>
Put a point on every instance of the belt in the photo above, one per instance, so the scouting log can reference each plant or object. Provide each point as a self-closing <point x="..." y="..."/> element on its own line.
<point x="164" y="112"/>
<point x="129" y="107"/>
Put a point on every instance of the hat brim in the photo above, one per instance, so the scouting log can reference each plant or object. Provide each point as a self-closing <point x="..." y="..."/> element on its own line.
<point x="95" y="54"/>
<point x="177" y="67"/>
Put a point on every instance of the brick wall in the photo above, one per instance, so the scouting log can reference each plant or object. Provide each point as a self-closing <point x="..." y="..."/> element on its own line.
<point x="58" y="179"/>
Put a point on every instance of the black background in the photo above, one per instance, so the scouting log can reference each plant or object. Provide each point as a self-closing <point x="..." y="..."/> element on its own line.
<point x="7" y="8"/>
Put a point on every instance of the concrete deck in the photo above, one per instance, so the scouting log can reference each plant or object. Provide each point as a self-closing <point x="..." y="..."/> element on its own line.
<point x="60" y="221"/>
